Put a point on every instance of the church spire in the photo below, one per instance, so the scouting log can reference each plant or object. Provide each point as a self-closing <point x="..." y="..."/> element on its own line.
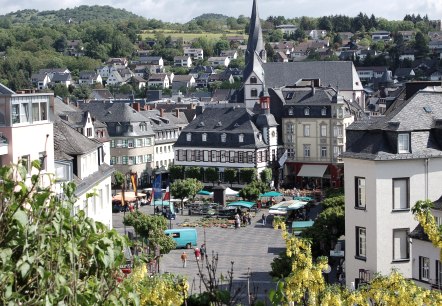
<point x="255" y="41"/>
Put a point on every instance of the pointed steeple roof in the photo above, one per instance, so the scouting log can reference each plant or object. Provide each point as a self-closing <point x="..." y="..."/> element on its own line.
<point x="255" y="42"/>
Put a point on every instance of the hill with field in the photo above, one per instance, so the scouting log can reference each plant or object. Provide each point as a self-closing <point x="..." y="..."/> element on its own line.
<point x="78" y="14"/>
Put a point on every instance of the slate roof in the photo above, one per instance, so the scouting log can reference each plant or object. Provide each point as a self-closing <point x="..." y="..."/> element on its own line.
<point x="340" y="74"/>
<point x="99" y="94"/>
<point x="71" y="142"/>
<point x="5" y="90"/>
<point x="215" y="121"/>
<point x="419" y="233"/>
<point x="104" y="171"/>
<point x="61" y="77"/>
<point x="119" y="114"/>
<point x="421" y="115"/>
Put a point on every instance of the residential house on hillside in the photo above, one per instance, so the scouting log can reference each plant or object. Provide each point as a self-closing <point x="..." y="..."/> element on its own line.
<point x="117" y="62"/>
<point x="131" y="137"/>
<point x="280" y="57"/>
<point x="198" y="70"/>
<point x="74" y="47"/>
<point x="89" y="78"/>
<point x="381" y="35"/>
<point x="138" y="82"/>
<point x="390" y="163"/>
<point x="287" y="29"/>
<point x="194" y="53"/>
<point x="160" y="80"/>
<point x="152" y="60"/>
<point x="51" y="71"/>
<point x="231" y="54"/>
<point x="182" y="61"/>
<point x="40" y="80"/>
<point x="183" y="81"/>
<point x="316" y="34"/>
<point x="82" y="155"/>
<point x="26" y="130"/>
<point x="61" y="78"/>
<point x="404" y="74"/>
<point x="222" y="61"/>
<point x="369" y="74"/>
<point x="407" y="35"/>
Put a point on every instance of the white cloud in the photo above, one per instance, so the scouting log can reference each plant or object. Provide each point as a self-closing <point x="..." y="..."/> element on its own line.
<point x="185" y="10"/>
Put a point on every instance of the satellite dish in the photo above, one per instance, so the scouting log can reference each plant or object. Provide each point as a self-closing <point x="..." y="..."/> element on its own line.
<point x="327" y="269"/>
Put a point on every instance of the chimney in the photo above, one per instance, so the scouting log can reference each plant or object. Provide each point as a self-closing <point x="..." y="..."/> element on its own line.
<point x="161" y="112"/>
<point x="136" y="106"/>
<point x="177" y="112"/>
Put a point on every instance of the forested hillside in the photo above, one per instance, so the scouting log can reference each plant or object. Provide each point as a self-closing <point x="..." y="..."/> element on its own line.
<point x="74" y="15"/>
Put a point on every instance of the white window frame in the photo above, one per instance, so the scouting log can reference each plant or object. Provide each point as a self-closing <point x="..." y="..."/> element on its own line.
<point x="307" y="151"/>
<point x="189" y="137"/>
<point x="424" y="268"/>
<point x="401" y="249"/>
<point x="403" y="143"/>
<point x="323" y="128"/>
<point x="323" y="152"/>
<point x="307" y="111"/>
<point x="223" y="137"/>
<point x="241" y="138"/>
<point x="306" y="130"/>
<point x="323" y="111"/>
<point x="361" y="192"/>
<point x="204" y="137"/>
<point x="401" y="198"/>
<point x="361" y="242"/>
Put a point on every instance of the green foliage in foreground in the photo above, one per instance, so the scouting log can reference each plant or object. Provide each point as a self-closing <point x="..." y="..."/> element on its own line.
<point x="48" y="256"/>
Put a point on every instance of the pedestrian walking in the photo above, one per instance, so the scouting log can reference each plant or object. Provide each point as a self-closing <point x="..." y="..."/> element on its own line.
<point x="203" y="252"/>
<point x="249" y="218"/>
<point x="184" y="259"/>
<point x="197" y="254"/>
<point x="263" y="218"/>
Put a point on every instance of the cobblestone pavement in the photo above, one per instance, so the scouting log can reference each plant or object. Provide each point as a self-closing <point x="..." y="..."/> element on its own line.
<point x="251" y="249"/>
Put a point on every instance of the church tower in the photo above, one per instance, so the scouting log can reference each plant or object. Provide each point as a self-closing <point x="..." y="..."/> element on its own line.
<point x="255" y="56"/>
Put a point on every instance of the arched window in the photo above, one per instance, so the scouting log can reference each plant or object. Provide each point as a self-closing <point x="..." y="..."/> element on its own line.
<point x="223" y="137"/>
<point x="253" y="80"/>
<point x="254" y="92"/>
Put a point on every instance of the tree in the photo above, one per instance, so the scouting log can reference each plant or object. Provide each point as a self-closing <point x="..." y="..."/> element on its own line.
<point x="82" y="92"/>
<point x="61" y="90"/>
<point x="176" y="172"/>
<point x="187" y="188"/>
<point x="50" y="255"/>
<point x="421" y="45"/>
<point x="151" y="228"/>
<point x="230" y="175"/>
<point x="305" y="283"/>
<point x="211" y="174"/>
<point x="193" y="172"/>
<point x="252" y="191"/>
<point x="328" y="226"/>
<point x="247" y="174"/>
<point x="266" y="175"/>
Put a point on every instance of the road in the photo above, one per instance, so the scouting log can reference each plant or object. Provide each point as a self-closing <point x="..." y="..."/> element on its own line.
<point x="251" y="249"/>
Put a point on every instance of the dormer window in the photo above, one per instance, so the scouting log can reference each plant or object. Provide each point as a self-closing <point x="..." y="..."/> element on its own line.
<point x="403" y="143"/>
<point x="204" y="137"/>
<point x="241" y="137"/>
<point x="290" y="111"/>
<point x="323" y="111"/>
<point x="307" y="111"/>
<point x="223" y="137"/>
<point x="189" y="137"/>
<point x="253" y="80"/>
<point x="201" y="124"/>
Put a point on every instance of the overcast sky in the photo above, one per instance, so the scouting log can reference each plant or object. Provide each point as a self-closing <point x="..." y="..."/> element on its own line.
<point x="184" y="10"/>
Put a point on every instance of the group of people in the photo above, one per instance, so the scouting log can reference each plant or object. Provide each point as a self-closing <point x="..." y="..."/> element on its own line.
<point x="200" y="254"/>
<point x="245" y="218"/>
